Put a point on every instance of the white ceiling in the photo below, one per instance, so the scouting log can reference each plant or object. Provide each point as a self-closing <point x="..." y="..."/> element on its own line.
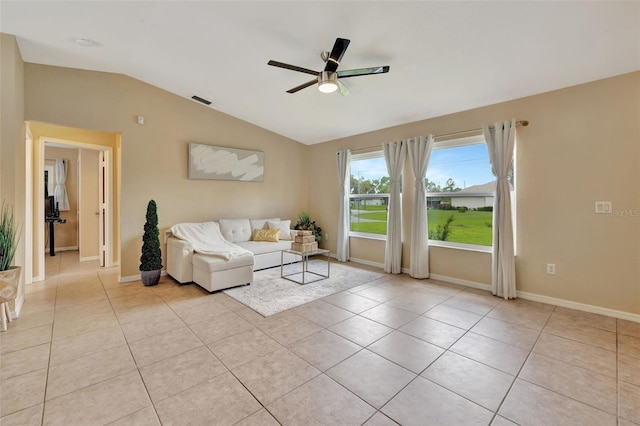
<point x="444" y="56"/>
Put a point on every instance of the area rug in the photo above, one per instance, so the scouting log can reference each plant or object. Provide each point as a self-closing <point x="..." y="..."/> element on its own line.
<point x="269" y="294"/>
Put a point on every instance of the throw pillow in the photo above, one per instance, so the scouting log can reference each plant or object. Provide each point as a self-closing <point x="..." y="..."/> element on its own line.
<point x="284" y="227"/>
<point x="271" y="235"/>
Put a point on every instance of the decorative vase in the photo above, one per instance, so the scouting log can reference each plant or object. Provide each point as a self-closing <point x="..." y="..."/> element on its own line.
<point x="150" y="278"/>
<point x="8" y="291"/>
<point x="9" y="283"/>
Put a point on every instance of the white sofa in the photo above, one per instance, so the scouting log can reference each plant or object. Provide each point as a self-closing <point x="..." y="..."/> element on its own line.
<point x="215" y="273"/>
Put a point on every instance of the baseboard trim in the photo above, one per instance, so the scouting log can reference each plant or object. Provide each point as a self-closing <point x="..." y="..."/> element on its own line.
<point x="18" y="307"/>
<point x="580" y="306"/>
<point x="547" y="299"/>
<point x="87" y="259"/>
<point x="70" y="248"/>
<point x="367" y="262"/>
<point x="137" y="277"/>
<point x="466" y="283"/>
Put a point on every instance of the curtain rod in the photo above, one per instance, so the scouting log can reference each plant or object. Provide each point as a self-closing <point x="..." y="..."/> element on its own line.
<point x="523" y="123"/>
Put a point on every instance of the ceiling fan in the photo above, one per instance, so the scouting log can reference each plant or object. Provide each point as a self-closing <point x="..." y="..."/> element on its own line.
<point x="327" y="79"/>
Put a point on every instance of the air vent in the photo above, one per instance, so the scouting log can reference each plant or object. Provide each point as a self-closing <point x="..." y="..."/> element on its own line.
<point x="201" y="100"/>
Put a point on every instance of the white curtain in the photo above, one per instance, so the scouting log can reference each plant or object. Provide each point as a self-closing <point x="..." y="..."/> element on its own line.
<point x="343" y="159"/>
<point x="419" y="153"/>
<point x="500" y="144"/>
<point x="395" y="154"/>
<point x="60" y="192"/>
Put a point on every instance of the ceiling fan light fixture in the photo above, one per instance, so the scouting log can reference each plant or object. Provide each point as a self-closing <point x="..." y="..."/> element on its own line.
<point x="327" y="82"/>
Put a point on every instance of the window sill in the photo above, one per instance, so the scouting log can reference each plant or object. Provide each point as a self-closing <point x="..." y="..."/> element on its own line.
<point x="368" y="236"/>
<point x="461" y="246"/>
<point x="432" y="243"/>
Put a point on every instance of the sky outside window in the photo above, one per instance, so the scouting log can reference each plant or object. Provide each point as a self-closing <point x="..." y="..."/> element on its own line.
<point x="467" y="165"/>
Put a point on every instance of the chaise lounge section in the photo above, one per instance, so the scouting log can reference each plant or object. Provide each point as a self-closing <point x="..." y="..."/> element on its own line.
<point x="222" y="254"/>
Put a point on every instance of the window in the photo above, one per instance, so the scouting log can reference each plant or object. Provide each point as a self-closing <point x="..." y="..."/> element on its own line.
<point x="460" y="191"/>
<point x="369" y="195"/>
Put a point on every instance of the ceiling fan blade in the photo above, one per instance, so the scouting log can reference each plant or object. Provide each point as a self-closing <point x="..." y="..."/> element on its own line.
<point x="292" y="67"/>
<point x="363" y="71"/>
<point x="344" y="91"/>
<point x="339" y="47"/>
<point x="303" y="86"/>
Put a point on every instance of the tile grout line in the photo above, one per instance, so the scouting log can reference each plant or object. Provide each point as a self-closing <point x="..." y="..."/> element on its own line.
<point x="419" y="375"/>
<point x="517" y="375"/>
<point x="132" y="357"/>
<point x="221" y="362"/>
<point x="577" y="366"/>
<point x="46" y="383"/>
<point x="449" y="350"/>
<point x="543" y="387"/>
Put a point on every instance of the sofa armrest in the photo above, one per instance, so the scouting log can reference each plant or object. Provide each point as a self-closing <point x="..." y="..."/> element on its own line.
<point x="179" y="260"/>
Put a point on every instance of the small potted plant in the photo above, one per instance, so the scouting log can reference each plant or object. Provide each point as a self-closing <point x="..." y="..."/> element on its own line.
<point x="151" y="259"/>
<point x="306" y="224"/>
<point x="9" y="275"/>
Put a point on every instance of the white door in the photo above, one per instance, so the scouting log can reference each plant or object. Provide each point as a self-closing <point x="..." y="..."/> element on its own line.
<point x="102" y="211"/>
<point x="89" y="204"/>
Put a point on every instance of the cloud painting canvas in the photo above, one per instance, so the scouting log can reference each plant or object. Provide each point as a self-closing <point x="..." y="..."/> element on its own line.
<point x="223" y="163"/>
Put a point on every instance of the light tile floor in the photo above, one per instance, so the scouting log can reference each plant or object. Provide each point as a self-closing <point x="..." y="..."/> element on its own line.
<point x="87" y="350"/>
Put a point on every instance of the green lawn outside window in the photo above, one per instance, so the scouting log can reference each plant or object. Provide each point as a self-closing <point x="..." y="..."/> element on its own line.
<point x="472" y="227"/>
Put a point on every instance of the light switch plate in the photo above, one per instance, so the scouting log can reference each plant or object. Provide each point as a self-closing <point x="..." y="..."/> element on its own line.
<point x="603" y="206"/>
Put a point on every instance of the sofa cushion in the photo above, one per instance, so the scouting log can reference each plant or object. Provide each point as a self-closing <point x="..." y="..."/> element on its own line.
<point x="214" y="263"/>
<point x="261" y="247"/>
<point x="284" y="227"/>
<point x="206" y="238"/>
<point x="270" y="235"/>
<point x="235" y="230"/>
<point x="261" y="223"/>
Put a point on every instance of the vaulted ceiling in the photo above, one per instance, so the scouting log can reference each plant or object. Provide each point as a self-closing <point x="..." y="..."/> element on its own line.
<point x="444" y="56"/>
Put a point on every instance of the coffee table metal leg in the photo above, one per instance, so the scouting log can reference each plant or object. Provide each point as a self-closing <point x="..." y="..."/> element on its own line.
<point x="305" y="267"/>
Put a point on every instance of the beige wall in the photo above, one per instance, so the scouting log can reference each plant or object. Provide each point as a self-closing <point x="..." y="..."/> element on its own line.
<point x="582" y="146"/>
<point x="12" y="136"/>
<point x="66" y="234"/>
<point x="154" y="156"/>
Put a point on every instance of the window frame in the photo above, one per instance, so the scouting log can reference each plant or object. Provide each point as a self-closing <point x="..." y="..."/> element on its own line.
<point x="444" y="144"/>
<point x="377" y="153"/>
<point x="456" y="143"/>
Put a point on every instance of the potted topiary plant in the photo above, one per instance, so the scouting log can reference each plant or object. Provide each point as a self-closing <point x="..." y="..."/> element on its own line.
<point x="9" y="275"/>
<point x="306" y="224"/>
<point x="151" y="259"/>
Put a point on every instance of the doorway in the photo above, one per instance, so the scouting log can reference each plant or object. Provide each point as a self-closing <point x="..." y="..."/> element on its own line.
<point x="78" y="218"/>
<point x="102" y="213"/>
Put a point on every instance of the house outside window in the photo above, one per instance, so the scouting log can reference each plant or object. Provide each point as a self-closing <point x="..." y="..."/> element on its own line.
<point x="369" y="197"/>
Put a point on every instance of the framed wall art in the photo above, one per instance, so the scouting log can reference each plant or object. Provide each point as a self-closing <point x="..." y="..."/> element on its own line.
<point x="224" y="163"/>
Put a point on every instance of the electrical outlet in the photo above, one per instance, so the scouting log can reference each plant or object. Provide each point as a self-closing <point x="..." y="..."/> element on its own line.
<point x="551" y="268"/>
<point x="326" y="237"/>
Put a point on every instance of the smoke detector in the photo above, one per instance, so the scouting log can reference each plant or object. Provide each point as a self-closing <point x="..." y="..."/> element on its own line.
<point x="85" y="42"/>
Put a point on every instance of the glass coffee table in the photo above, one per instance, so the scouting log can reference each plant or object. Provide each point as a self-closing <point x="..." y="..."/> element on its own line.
<point x="305" y="275"/>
